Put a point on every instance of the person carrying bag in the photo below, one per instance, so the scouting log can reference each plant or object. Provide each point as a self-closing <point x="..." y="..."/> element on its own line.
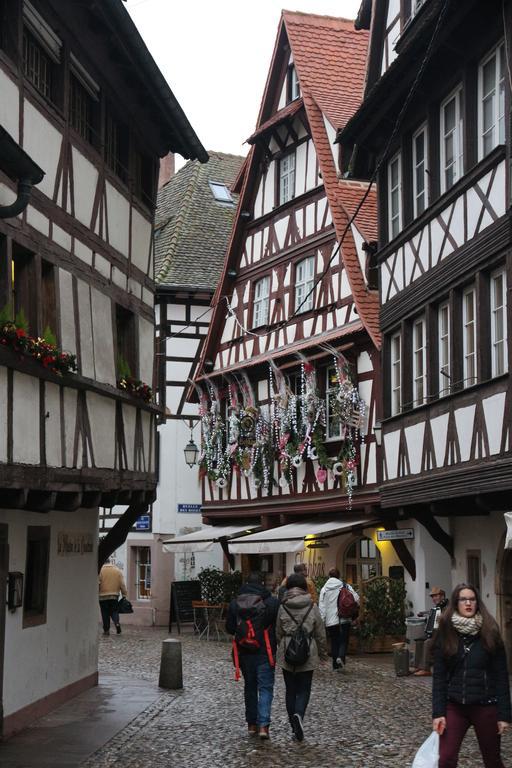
<point x="301" y="636"/>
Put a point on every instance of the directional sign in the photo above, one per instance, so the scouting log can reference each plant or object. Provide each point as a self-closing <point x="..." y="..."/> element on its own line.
<point x="401" y="533"/>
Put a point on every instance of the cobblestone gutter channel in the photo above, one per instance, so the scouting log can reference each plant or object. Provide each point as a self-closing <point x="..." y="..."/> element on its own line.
<point x="363" y="717"/>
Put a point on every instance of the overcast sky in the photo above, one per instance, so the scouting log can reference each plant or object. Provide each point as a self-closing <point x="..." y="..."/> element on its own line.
<point x="215" y="55"/>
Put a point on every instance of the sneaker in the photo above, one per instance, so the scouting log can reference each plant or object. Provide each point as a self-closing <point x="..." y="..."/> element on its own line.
<point x="339" y="663"/>
<point x="252" y="730"/>
<point x="263" y="732"/>
<point x="297" y="726"/>
<point x="118" y="629"/>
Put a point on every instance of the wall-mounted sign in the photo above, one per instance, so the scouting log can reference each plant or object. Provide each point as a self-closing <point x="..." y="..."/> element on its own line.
<point x="74" y="543"/>
<point x="400" y="533"/>
<point x="189" y="509"/>
<point x="143" y="523"/>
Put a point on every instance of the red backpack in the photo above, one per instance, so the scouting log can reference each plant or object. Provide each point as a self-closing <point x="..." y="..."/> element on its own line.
<point x="251" y="634"/>
<point x="348" y="607"/>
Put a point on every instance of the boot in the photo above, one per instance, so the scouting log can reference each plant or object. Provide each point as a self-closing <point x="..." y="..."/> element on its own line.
<point x="263" y="732"/>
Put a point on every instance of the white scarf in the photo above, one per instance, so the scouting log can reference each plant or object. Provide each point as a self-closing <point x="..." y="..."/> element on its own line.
<point x="467" y="625"/>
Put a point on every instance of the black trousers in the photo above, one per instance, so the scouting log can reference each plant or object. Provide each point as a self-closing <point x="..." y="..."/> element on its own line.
<point x="298" y="691"/>
<point x="339" y="635"/>
<point x="109" y="611"/>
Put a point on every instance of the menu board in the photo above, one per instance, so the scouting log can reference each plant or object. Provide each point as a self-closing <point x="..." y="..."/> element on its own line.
<point x="182" y="594"/>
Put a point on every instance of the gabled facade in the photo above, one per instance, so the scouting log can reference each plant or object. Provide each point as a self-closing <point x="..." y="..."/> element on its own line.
<point x="289" y="374"/>
<point x="84" y="103"/>
<point x="443" y="172"/>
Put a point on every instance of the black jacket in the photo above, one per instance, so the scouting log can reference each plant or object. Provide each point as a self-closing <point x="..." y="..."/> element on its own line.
<point x="272" y="606"/>
<point x="472" y="676"/>
<point x="433" y="614"/>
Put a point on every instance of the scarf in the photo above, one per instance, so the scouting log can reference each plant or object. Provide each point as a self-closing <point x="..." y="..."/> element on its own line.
<point x="467" y="625"/>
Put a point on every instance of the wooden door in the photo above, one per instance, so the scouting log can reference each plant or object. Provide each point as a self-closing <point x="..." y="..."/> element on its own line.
<point x="4" y="565"/>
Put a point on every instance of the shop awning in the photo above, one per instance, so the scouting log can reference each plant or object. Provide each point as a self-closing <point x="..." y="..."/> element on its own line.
<point x="293" y="537"/>
<point x="204" y="539"/>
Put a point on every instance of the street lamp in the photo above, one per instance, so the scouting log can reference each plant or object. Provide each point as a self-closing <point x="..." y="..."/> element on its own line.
<point x="377" y="431"/>
<point x="191" y="450"/>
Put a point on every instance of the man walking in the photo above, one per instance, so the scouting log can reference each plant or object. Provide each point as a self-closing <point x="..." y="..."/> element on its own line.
<point x="302" y="570"/>
<point x="425" y="660"/>
<point x="251" y="620"/>
<point x="338" y="627"/>
<point x="111" y="583"/>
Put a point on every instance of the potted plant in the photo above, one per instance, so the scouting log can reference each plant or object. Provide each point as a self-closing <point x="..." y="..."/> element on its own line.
<point x="218" y="586"/>
<point x="382" y="619"/>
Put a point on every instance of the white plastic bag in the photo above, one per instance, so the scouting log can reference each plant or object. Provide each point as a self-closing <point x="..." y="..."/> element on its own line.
<point x="427" y="755"/>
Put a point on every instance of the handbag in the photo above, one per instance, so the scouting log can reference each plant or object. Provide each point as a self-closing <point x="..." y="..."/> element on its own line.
<point x="124" y="606"/>
<point x="427" y="755"/>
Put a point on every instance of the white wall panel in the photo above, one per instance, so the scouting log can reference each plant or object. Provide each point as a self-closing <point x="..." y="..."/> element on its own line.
<point x="141" y="241"/>
<point x="42" y="142"/>
<point x="311" y="181"/>
<point x="300" y="169"/>
<point x="129" y="414"/>
<point x="26" y="448"/>
<point x="414" y="436"/>
<point x="9" y="107"/>
<point x="118" y="212"/>
<point x="86" y="180"/>
<point x="146" y="350"/>
<point x="493" y="410"/>
<point x="464" y="419"/>
<point x="67" y="313"/>
<point x="439" y="427"/>
<point x="104" y="362"/>
<point x="37" y="220"/>
<point x="53" y="425"/>
<point x="391" y="445"/>
<point x="3" y="413"/>
<point x="70" y="398"/>
<point x="86" y="337"/>
<point x="102" y="418"/>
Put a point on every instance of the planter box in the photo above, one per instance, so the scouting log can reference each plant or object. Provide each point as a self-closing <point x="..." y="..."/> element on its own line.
<point x="381" y="643"/>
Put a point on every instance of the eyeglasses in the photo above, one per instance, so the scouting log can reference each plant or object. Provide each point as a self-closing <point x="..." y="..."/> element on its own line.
<point x="467" y="599"/>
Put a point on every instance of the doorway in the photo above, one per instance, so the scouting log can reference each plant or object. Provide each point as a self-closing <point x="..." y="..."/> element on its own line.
<point x="4" y="566"/>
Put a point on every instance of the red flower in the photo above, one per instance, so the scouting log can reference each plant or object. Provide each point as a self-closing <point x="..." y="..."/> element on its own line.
<point x="20" y="333"/>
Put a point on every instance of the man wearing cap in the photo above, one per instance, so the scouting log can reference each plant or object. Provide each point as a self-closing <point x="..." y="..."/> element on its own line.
<point x="440" y="602"/>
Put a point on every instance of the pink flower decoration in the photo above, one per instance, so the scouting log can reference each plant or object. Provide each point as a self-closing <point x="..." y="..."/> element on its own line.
<point x="321" y="475"/>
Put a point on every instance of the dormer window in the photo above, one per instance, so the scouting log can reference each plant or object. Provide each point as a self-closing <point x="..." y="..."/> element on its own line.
<point x="220" y="192"/>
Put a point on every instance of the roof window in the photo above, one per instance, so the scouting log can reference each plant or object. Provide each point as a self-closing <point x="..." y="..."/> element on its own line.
<point x="220" y="192"/>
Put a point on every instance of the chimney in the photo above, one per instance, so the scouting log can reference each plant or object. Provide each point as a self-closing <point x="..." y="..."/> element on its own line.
<point x="166" y="169"/>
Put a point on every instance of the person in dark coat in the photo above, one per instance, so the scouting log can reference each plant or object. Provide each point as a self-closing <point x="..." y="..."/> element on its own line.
<point x="470" y="685"/>
<point x="440" y="602"/>
<point x="256" y="660"/>
<point x="298" y="606"/>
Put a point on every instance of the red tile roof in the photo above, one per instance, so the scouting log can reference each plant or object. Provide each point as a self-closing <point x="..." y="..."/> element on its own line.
<point x="330" y="59"/>
<point x="291" y="109"/>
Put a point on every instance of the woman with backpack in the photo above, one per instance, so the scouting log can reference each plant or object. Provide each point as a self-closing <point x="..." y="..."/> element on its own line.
<point x="301" y="637"/>
<point x="337" y="614"/>
<point x="470" y="685"/>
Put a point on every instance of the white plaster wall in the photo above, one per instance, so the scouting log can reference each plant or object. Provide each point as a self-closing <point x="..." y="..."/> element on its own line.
<point x="26" y="448"/>
<point x="118" y="219"/>
<point x="9" y="106"/>
<point x="42" y="142"/>
<point x="102" y="417"/>
<point x="101" y="312"/>
<point x="146" y="350"/>
<point x="84" y="172"/>
<point x="41" y="660"/>
<point x="433" y="566"/>
<point x="52" y="425"/>
<point x="141" y="241"/>
<point x="86" y="336"/>
<point x="3" y="414"/>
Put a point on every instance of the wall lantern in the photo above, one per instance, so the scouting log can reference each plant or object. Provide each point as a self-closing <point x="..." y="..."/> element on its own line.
<point x="377" y="431"/>
<point x="191" y="450"/>
<point x="318" y="544"/>
<point x="14" y="590"/>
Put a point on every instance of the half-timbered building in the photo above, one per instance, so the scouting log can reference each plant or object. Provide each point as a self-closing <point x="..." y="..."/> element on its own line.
<point x="289" y="374"/>
<point x="434" y="130"/>
<point x="85" y="115"/>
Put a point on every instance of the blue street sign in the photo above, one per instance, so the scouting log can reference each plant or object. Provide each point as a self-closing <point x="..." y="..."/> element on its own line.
<point x="143" y="523"/>
<point x="189" y="509"/>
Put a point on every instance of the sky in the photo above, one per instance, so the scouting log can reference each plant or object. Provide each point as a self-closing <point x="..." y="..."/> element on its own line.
<point x="215" y="55"/>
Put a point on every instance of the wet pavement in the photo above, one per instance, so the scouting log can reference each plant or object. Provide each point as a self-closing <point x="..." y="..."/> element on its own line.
<point x="363" y="717"/>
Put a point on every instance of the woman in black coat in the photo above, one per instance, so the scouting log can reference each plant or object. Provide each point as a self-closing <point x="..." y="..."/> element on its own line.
<point x="470" y="685"/>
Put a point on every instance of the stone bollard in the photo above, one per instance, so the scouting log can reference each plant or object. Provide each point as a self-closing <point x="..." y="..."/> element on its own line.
<point x="171" y="669"/>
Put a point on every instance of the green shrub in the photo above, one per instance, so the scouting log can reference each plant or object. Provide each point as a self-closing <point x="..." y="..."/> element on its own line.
<point x="219" y="586"/>
<point x="383" y="608"/>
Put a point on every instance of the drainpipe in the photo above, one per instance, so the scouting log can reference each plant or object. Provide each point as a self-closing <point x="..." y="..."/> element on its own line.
<point x="16" y="164"/>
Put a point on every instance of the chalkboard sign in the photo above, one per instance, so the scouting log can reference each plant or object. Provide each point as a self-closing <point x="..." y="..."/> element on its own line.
<point x="182" y="594"/>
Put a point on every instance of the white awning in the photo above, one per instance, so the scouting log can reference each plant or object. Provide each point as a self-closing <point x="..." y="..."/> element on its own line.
<point x="292" y="537"/>
<point x="204" y="539"/>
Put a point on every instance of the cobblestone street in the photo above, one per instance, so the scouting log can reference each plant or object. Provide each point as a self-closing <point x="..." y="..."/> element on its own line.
<point x="364" y="717"/>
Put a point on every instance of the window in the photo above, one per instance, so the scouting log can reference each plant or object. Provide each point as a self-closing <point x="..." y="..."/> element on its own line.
<point x="143" y="178"/>
<point x="419" y="362"/>
<point x="24" y="287"/>
<point x="287" y="178"/>
<point x="452" y="166"/>
<point x="444" y="348"/>
<point x="333" y="430"/>
<point x="116" y="146"/>
<point x="293" y="84"/>
<point x="396" y="374"/>
<point x="498" y="323"/>
<point x="36" y="575"/>
<point x="473" y="558"/>
<point x="143" y="571"/>
<point x="261" y="302"/>
<point x="220" y="192"/>
<point x="491" y="101"/>
<point x="37" y="65"/>
<point x="420" y="179"/>
<point x="362" y="561"/>
<point x="80" y="109"/>
<point x="126" y="343"/>
<point x="304" y="281"/>
<point x="469" y="337"/>
<point x="395" y="196"/>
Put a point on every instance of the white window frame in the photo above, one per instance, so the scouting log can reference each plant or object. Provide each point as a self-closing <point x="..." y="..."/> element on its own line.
<point x="469" y="351"/>
<point x="261" y="302"/>
<point x="395" y="213"/>
<point x="294" y="84"/>
<point x="419" y="361"/>
<point x="456" y="133"/>
<point x="287" y="178"/>
<point x="396" y="373"/>
<point x="143" y="569"/>
<point x="496" y="130"/>
<point x="420" y="168"/>
<point x="444" y="348"/>
<point x="498" y="307"/>
<point x="221" y="192"/>
<point x="304" y="283"/>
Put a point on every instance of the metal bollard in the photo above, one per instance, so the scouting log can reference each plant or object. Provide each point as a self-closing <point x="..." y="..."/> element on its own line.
<point x="171" y="667"/>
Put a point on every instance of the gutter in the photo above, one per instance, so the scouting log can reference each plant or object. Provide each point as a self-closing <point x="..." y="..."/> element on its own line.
<point x="15" y="162"/>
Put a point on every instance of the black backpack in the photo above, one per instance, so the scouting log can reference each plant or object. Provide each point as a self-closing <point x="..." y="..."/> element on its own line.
<point x="250" y="622"/>
<point x="298" y="647"/>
